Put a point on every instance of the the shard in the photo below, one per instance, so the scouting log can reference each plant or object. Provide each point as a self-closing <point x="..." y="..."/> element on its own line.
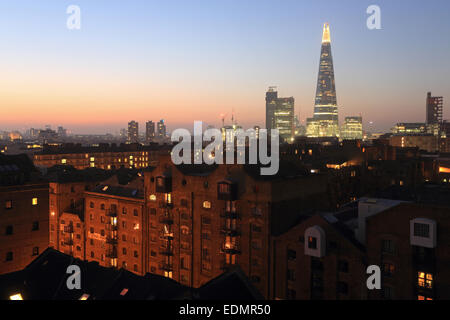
<point x="325" y="122"/>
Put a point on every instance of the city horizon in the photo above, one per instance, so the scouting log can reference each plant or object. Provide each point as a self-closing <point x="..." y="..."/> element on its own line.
<point x="75" y="87"/>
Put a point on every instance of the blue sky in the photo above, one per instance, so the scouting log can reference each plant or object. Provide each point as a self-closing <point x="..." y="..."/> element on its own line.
<point x="193" y="60"/>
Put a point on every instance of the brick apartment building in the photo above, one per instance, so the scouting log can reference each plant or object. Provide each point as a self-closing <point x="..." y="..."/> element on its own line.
<point x="204" y="220"/>
<point x="319" y="259"/>
<point x="104" y="156"/>
<point x="115" y="225"/>
<point x="24" y="218"/>
<point x="411" y="244"/>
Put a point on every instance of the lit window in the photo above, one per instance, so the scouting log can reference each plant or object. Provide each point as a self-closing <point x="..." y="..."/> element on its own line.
<point x="64" y="161"/>
<point x="84" y="296"/>
<point x="16" y="296"/>
<point x="312" y="243"/>
<point x="206" y="204"/>
<point x="124" y="292"/>
<point x="34" y="201"/>
<point x="152" y="197"/>
<point x="425" y="280"/>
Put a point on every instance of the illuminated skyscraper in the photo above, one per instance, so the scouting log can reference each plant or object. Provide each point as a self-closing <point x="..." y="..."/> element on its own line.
<point x="325" y="122"/>
<point x="352" y="129"/>
<point x="280" y="114"/>
<point x="133" y="132"/>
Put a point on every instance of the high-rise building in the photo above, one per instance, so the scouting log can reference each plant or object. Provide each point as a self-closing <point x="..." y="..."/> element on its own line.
<point x="352" y="129"/>
<point x="149" y="131"/>
<point x="133" y="132"/>
<point x="162" y="130"/>
<point x="434" y="109"/>
<point x="325" y="122"/>
<point x="280" y="114"/>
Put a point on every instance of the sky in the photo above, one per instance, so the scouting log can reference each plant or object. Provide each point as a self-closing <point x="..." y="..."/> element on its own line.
<point x="187" y="60"/>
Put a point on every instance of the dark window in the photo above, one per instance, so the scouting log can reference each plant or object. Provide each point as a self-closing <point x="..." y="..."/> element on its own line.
<point x="206" y="220"/>
<point x="388" y="293"/>
<point x="312" y="243"/>
<point x="135" y="268"/>
<point x="135" y="212"/>
<point x="387" y="246"/>
<point x="9" y="230"/>
<point x="152" y="211"/>
<point x="291" y="275"/>
<point x="35" y="251"/>
<point x="102" y="206"/>
<point x="92" y="254"/>
<point x="102" y="232"/>
<point x="184" y="203"/>
<point x="343" y="266"/>
<point x="91" y="204"/>
<point x="9" y="256"/>
<point x="136" y="254"/>
<point x="78" y="248"/>
<point x="421" y="230"/>
<point x="342" y="287"/>
<point x="35" y="226"/>
<point x="291" y="255"/>
<point x="124" y="210"/>
<point x="124" y="251"/>
<point x="91" y="229"/>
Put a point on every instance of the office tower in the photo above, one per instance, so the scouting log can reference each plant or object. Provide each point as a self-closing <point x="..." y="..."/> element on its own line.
<point x="352" y="129"/>
<point x="434" y="109"/>
<point x="133" y="132"/>
<point x="162" y="129"/>
<point x="325" y="122"/>
<point x="62" y="132"/>
<point x="149" y="131"/>
<point x="280" y="114"/>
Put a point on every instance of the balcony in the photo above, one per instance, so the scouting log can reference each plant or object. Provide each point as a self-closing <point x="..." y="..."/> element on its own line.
<point x="111" y="240"/>
<point x="229" y="231"/>
<point x="111" y="254"/>
<point x="166" y="251"/>
<point x="111" y="213"/>
<point x="230" y="215"/>
<point x="165" y="205"/>
<point x="111" y="227"/>
<point x="166" y="219"/>
<point x="231" y="249"/>
<point x="68" y="242"/>
<point x="227" y="191"/>
<point x="166" y="266"/>
<point x="68" y="229"/>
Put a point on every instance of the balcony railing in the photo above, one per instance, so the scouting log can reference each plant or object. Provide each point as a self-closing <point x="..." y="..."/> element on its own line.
<point x="111" y="254"/>
<point x="68" y="242"/>
<point x="111" y="240"/>
<point x="165" y="204"/>
<point x="230" y="215"/>
<point x="166" y="219"/>
<point x="166" y="266"/>
<point x="166" y="251"/>
<point x="230" y="231"/>
<point x="111" y="227"/>
<point x="111" y="213"/>
<point x="232" y="249"/>
<point x="68" y="229"/>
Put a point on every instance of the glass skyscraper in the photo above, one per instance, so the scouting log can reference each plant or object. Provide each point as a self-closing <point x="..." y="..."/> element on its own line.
<point x="325" y="122"/>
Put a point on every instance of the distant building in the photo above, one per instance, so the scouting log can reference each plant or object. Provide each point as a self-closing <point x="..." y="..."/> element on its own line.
<point x="434" y="109"/>
<point x="410" y="128"/>
<point x="162" y="130"/>
<point x="133" y="132"/>
<point x="280" y="114"/>
<point x="150" y="131"/>
<point x="352" y="129"/>
<point x="426" y="142"/>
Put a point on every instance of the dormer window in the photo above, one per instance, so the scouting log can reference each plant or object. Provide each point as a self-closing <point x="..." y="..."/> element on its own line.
<point x="315" y="243"/>
<point x="227" y="190"/>
<point x="423" y="232"/>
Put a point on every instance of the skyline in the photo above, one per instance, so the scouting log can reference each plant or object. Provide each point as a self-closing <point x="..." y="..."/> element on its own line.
<point x="212" y="58"/>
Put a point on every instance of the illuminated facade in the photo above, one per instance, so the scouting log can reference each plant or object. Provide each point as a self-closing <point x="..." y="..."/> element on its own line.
<point x="325" y="122"/>
<point x="133" y="132"/>
<point x="352" y="129"/>
<point x="280" y="114"/>
<point x="434" y="109"/>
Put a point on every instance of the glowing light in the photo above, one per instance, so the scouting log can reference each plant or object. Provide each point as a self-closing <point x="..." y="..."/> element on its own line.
<point x="444" y="170"/>
<point x="84" y="296"/>
<point x="16" y="296"/>
<point x="326" y="33"/>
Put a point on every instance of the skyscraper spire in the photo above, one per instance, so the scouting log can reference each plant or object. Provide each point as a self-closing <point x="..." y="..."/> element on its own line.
<point x="326" y="33"/>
